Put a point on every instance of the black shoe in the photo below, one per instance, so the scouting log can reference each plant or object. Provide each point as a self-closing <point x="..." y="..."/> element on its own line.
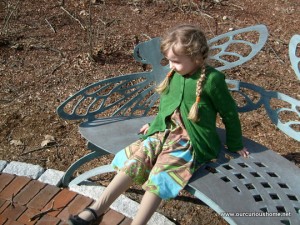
<point x="76" y="220"/>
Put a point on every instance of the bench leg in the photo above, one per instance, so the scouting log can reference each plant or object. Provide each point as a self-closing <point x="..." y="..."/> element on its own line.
<point x="93" y="172"/>
<point x="70" y="171"/>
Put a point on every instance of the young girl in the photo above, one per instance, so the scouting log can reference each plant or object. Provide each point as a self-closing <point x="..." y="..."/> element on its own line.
<point x="183" y="134"/>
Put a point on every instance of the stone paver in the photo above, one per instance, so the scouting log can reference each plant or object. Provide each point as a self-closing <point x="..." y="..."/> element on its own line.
<point x="77" y="205"/>
<point x="29" y="192"/>
<point x="14" y="187"/>
<point x="43" y="197"/>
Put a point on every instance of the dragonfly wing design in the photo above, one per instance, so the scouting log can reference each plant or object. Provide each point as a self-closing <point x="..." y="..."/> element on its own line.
<point x="247" y="96"/>
<point x="294" y="57"/>
<point x="285" y="114"/>
<point x="128" y="95"/>
<point x="237" y="47"/>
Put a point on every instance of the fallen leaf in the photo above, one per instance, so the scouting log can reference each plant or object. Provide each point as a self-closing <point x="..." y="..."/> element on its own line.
<point x="49" y="137"/>
<point x="16" y="142"/>
<point x="47" y="143"/>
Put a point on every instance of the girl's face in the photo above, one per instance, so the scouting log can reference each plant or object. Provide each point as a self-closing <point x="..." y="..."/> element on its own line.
<point x="182" y="64"/>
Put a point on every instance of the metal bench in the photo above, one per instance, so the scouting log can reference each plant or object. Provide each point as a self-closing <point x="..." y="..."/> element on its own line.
<point x="254" y="190"/>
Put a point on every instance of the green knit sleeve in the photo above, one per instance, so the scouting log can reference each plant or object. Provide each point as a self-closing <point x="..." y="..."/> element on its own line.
<point x="227" y="109"/>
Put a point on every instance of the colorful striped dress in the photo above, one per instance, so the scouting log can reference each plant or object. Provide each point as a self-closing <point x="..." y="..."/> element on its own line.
<point x="163" y="163"/>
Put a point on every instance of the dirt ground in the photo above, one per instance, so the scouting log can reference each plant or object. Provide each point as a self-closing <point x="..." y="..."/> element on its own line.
<point x="51" y="49"/>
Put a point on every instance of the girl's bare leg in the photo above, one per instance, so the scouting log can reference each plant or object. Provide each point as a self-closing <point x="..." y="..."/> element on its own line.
<point x="149" y="204"/>
<point x="116" y="187"/>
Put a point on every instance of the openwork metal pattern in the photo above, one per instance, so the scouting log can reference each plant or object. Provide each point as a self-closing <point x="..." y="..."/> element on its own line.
<point x="128" y="95"/>
<point x="133" y="94"/>
<point x="294" y="54"/>
<point x="237" y="47"/>
<point x="289" y="126"/>
<point x="265" y="185"/>
<point x="254" y="185"/>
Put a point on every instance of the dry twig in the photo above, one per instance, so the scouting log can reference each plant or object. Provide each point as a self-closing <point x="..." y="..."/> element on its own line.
<point x="275" y="53"/>
<point x="73" y="17"/>
<point x="37" y="149"/>
<point x="51" y="209"/>
<point x="52" y="28"/>
<point x="90" y="33"/>
<point x="57" y="67"/>
<point x="9" y="15"/>
<point x="11" y="201"/>
<point x="46" y="48"/>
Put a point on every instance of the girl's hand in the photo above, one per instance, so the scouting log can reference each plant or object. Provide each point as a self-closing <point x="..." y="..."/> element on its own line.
<point x="244" y="152"/>
<point x="144" y="129"/>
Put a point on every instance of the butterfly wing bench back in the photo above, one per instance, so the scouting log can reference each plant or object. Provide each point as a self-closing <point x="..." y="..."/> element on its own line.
<point x="265" y="184"/>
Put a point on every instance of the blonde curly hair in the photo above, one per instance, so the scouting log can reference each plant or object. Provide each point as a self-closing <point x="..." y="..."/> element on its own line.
<point x="190" y="41"/>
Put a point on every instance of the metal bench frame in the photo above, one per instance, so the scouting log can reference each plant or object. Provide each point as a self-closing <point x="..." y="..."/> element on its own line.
<point x="114" y="109"/>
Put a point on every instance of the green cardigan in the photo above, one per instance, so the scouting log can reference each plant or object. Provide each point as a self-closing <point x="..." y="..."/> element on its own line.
<point x="215" y="98"/>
